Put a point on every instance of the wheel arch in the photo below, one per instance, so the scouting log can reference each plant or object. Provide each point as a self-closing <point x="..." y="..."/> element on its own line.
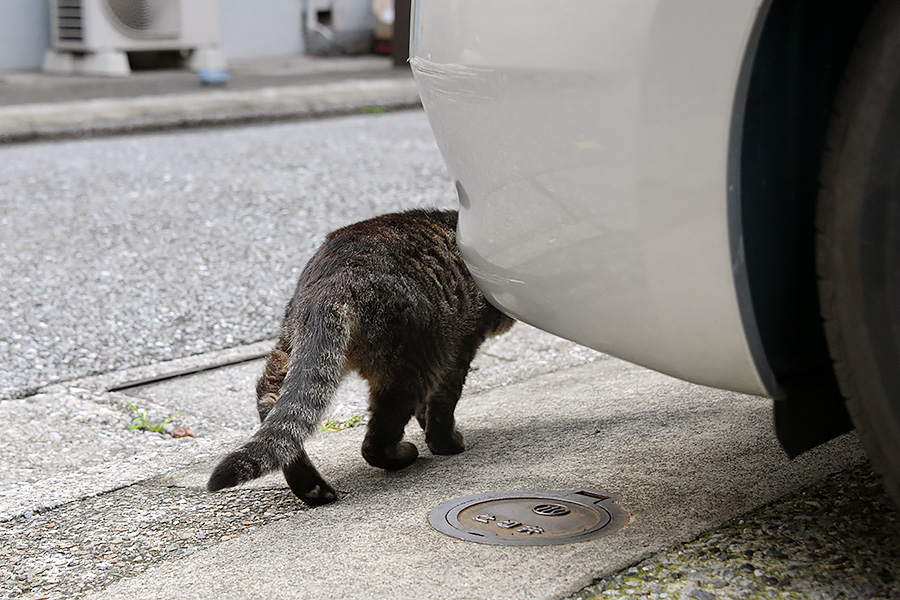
<point x="792" y="72"/>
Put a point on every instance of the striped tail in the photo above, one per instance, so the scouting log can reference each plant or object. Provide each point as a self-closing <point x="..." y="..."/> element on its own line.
<point x="316" y="367"/>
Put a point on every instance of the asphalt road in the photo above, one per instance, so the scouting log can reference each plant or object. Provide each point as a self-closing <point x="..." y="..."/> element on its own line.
<point x="127" y="251"/>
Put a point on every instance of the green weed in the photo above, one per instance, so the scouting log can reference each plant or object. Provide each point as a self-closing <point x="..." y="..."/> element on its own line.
<point x="141" y="420"/>
<point x="337" y="425"/>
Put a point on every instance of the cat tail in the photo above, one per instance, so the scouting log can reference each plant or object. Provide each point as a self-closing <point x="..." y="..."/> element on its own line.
<point x="314" y="373"/>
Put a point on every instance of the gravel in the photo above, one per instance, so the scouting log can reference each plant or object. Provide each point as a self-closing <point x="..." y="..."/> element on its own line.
<point x="837" y="539"/>
<point x="84" y="546"/>
<point x="128" y="251"/>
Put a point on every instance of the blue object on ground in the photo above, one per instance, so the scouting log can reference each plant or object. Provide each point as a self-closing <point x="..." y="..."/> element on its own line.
<point x="213" y="76"/>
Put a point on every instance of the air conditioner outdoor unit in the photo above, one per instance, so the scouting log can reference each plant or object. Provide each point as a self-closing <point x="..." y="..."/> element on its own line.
<point x="93" y="36"/>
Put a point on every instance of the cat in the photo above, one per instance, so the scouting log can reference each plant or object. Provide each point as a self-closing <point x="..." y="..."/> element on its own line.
<point x="392" y="299"/>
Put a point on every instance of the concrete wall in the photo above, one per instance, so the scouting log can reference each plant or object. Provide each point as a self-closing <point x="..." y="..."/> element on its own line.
<point x="24" y="33"/>
<point x="261" y="28"/>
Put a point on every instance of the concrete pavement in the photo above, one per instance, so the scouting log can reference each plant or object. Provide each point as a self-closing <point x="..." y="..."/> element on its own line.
<point x="682" y="459"/>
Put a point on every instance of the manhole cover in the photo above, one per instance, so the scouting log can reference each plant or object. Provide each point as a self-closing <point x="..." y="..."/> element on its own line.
<point x="530" y="518"/>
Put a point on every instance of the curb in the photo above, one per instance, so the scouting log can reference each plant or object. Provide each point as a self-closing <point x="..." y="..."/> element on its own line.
<point x="48" y="121"/>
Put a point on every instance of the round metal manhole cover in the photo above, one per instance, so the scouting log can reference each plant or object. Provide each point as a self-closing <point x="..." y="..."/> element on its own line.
<point x="530" y="518"/>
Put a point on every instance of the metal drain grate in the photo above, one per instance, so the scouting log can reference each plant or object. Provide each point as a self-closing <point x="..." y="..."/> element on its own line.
<point x="550" y="510"/>
<point x="530" y="518"/>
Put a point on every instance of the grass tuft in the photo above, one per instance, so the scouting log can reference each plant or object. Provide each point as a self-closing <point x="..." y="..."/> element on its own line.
<point x="141" y="420"/>
<point x="338" y="425"/>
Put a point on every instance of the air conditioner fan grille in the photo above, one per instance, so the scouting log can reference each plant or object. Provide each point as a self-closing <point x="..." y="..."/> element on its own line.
<point x="145" y="18"/>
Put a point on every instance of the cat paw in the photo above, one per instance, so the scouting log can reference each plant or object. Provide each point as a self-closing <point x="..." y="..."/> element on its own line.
<point x="452" y="444"/>
<point x="391" y="459"/>
<point x="307" y="484"/>
<point x="318" y="495"/>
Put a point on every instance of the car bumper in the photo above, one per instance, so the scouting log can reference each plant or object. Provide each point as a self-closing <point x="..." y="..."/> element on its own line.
<point x="591" y="144"/>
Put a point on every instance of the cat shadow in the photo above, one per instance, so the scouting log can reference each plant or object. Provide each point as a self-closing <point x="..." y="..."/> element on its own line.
<point x="513" y="449"/>
<point x="569" y="450"/>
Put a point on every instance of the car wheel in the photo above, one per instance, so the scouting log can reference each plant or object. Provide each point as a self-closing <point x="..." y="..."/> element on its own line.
<point x="858" y="241"/>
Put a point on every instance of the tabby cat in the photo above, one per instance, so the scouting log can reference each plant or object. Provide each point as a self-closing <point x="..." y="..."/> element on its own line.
<point x="390" y="298"/>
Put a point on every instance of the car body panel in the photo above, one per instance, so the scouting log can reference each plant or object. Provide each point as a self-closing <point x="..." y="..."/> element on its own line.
<point x="592" y="163"/>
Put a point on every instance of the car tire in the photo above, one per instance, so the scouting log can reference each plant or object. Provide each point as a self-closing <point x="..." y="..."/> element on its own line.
<point x="858" y="240"/>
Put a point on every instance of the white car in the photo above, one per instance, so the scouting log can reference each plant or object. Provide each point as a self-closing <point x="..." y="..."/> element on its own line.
<point x="707" y="188"/>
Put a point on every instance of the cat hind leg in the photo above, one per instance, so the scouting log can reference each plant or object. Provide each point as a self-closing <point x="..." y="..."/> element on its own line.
<point x="422" y="413"/>
<point x="391" y="405"/>
<point x="269" y="384"/>
<point x="441" y="433"/>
